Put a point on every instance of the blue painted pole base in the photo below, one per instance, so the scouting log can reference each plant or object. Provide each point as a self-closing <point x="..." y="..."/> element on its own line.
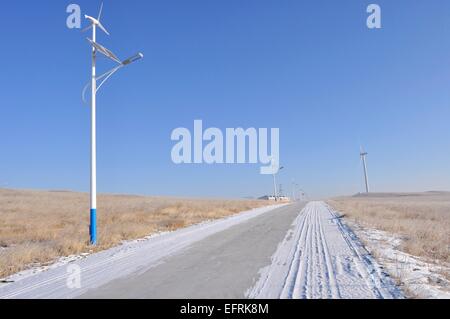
<point x="93" y="227"/>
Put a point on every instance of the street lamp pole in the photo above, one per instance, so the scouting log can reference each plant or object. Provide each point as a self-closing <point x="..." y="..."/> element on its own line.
<point x="93" y="201"/>
<point x="274" y="187"/>
<point x="275" y="183"/>
<point x="94" y="88"/>
<point x="294" y="184"/>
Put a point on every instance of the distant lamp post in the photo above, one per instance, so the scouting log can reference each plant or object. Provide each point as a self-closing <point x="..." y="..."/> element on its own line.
<point x="303" y="195"/>
<point x="275" y="193"/>
<point x="93" y="84"/>
<point x="294" y="185"/>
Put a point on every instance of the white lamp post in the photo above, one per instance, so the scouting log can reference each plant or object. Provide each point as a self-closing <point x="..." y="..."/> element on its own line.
<point x="275" y="183"/>
<point x="94" y="89"/>
<point x="294" y="185"/>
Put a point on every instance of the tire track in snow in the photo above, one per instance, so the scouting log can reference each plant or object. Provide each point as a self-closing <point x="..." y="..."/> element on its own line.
<point x="333" y="287"/>
<point x="310" y="258"/>
<point x="295" y="263"/>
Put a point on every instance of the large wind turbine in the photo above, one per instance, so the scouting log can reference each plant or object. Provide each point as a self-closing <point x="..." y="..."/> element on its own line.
<point x="363" y="155"/>
<point x="94" y="89"/>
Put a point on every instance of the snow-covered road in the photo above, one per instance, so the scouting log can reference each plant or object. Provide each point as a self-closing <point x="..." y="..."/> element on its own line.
<point x="321" y="258"/>
<point x="293" y="251"/>
<point x="124" y="260"/>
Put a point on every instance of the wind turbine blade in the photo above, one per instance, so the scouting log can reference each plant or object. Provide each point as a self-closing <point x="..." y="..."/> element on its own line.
<point x="100" y="12"/>
<point x="103" y="28"/>
<point x="87" y="28"/>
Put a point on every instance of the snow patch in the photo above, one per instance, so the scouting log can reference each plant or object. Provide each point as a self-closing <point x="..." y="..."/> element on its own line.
<point x="422" y="278"/>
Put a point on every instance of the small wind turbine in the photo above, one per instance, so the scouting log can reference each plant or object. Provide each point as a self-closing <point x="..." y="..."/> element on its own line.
<point x="363" y="155"/>
<point x="104" y="77"/>
<point x="96" y="22"/>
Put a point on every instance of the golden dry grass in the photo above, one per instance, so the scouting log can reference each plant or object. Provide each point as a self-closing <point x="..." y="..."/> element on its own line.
<point x="40" y="226"/>
<point x="422" y="219"/>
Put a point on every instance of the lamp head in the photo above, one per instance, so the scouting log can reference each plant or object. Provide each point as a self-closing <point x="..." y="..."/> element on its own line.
<point x="132" y="59"/>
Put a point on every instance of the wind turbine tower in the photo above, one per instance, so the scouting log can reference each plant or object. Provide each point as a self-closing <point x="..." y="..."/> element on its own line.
<point x="363" y="155"/>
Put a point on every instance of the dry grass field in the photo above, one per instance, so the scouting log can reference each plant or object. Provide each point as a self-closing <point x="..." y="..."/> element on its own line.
<point x="422" y="219"/>
<point x="40" y="226"/>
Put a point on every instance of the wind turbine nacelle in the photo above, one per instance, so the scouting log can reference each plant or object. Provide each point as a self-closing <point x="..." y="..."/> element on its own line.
<point x="94" y="21"/>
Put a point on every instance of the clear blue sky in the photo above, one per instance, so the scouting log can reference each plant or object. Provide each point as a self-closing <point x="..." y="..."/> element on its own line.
<point x="310" y="68"/>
